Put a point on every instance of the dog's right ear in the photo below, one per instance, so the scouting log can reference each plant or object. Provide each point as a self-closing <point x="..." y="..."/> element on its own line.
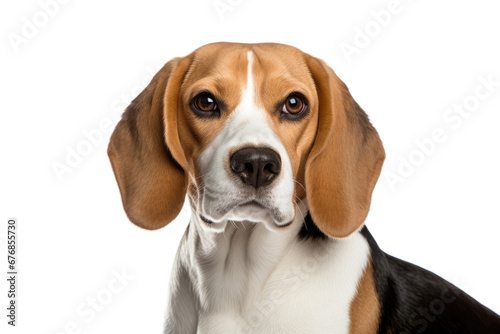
<point x="145" y="152"/>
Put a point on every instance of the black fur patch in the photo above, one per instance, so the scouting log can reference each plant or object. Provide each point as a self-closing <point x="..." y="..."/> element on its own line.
<point x="310" y="231"/>
<point x="415" y="300"/>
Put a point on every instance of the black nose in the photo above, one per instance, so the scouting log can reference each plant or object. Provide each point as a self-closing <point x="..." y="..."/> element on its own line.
<point x="256" y="166"/>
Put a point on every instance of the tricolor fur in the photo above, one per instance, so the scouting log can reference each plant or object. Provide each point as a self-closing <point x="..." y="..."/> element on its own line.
<point x="289" y="254"/>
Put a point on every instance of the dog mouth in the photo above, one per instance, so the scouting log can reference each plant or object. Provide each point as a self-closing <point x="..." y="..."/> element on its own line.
<point x="206" y="220"/>
<point x="253" y="203"/>
<point x="251" y="209"/>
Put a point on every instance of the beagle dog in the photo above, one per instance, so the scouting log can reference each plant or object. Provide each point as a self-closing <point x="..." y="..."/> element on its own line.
<point x="278" y="163"/>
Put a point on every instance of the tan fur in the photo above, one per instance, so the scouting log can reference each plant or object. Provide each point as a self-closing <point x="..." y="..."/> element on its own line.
<point x="345" y="161"/>
<point x="225" y="76"/>
<point x="335" y="152"/>
<point x="278" y="77"/>
<point x="152" y="185"/>
<point x="365" y="308"/>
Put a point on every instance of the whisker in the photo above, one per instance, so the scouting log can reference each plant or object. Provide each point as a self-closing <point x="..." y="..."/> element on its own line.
<point x="300" y="200"/>
<point x="300" y="184"/>
<point x="300" y="211"/>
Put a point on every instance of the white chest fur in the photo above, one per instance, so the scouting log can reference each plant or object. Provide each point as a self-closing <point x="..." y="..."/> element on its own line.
<point x="251" y="280"/>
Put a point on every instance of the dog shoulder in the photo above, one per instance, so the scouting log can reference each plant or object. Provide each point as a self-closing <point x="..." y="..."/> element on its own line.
<point x="415" y="300"/>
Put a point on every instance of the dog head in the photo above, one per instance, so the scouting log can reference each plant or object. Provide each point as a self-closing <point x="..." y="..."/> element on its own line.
<point x="246" y="131"/>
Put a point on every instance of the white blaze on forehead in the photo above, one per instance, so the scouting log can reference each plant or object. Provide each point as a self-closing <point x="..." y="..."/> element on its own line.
<point x="246" y="126"/>
<point x="247" y="115"/>
<point x="249" y="119"/>
<point x="249" y="88"/>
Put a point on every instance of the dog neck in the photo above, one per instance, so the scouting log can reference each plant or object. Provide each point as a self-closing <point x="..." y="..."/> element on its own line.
<point x="248" y="268"/>
<point x="240" y="258"/>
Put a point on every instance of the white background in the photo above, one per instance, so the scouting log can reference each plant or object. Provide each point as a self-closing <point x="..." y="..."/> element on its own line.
<point x="88" y="60"/>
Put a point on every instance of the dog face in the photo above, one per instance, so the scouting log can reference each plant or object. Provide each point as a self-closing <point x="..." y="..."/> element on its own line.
<point x="247" y="131"/>
<point x="245" y="126"/>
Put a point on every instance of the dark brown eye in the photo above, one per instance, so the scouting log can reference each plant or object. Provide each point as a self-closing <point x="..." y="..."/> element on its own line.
<point x="205" y="102"/>
<point x="294" y="105"/>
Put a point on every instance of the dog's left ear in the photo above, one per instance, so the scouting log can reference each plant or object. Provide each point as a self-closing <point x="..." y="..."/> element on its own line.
<point x="345" y="160"/>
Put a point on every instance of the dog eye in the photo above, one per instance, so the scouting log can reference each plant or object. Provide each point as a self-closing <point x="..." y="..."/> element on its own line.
<point x="205" y="102"/>
<point x="294" y="105"/>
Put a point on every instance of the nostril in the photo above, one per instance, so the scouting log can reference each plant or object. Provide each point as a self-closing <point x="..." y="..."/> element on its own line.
<point x="272" y="167"/>
<point x="246" y="175"/>
<point x="248" y="167"/>
<point x="269" y="171"/>
<point x="237" y="165"/>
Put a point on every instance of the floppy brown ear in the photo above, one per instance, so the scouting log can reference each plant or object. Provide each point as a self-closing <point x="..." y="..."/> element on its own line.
<point x="146" y="154"/>
<point x="345" y="160"/>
